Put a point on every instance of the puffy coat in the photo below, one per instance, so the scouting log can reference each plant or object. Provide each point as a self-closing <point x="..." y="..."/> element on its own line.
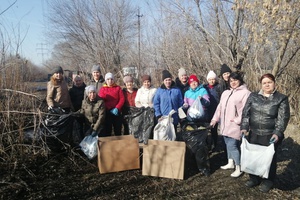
<point x="266" y="115"/>
<point x="229" y="111"/>
<point x="167" y="99"/>
<point x="113" y="96"/>
<point x="144" y="97"/>
<point x="192" y="94"/>
<point x="214" y="98"/>
<point x="58" y="94"/>
<point x="94" y="112"/>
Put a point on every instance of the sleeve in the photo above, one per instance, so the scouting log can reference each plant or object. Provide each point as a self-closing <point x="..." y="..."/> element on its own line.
<point x="121" y="99"/>
<point x="246" y="114"/>
<point x="137" y="99"/>
<point x="239" y="110"/>
<point x="156" y="103"/>
<point x="50" y="94"/>
<point x="101" y="117"/>
<point x="283" y="117"/>
<point x="205" y="98"/>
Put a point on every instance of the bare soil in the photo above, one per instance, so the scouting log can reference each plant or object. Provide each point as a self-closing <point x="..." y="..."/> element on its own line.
<point x="70" y="175"/>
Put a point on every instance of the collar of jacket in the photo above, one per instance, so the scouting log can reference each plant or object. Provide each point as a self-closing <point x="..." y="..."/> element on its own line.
<point x="113" y="85"/>
<point x="197" y="88"/>
<point x="261" y="92"/>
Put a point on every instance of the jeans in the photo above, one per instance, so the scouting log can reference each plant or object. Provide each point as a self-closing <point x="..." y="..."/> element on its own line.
<point x="233" y="149"/>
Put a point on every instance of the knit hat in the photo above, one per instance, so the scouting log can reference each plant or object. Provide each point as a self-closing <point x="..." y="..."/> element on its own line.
<point x="224" y="69"/>
<point x="109" y="75"/>
<point x="146" y="77"/>
<point x="89" y="88"/>
<point x="181" y="72"/>
<point x="211" y="74"/>
<point x="166" y="74"/>
<point x="127" y="79"/>
<point x="192" y="78"/>
<point x="96" y="68"/>
<point x="58" y="69"/>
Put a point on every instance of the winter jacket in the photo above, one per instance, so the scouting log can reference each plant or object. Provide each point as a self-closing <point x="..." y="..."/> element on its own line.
<point x="214" y="99"/>
<point x="266" y="115"/>
<point x="77" y="96"/>
<point x="183" y="87"/>
<point x="222" y="86"/>
<point x="58" y="94"/>
<point x="144" y="97"/>
<point x="167" y="99"/>
<point x="229" y="111"/>
<point x="94" y="113"/>
<point x="113" y="96"/>
<point x="129" y="97"/>
<point x="192" y="94"/>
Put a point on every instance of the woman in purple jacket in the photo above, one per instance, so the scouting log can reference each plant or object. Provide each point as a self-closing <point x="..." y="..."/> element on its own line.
<point x="229" y="114"/>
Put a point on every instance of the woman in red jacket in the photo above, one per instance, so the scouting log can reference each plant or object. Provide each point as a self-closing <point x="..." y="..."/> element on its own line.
<point x="113" y="97"/>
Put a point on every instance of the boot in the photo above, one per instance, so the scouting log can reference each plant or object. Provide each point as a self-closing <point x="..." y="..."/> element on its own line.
<point x="237" y="171"/>
<point x="230" y="165"/>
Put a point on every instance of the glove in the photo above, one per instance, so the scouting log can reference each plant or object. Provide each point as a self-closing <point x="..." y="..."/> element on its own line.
<point x="114" y="111"/>
<point x="94" y="134"/>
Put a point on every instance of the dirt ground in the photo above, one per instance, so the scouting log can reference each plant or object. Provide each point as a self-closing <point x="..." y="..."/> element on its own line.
<point x="71" y="175"/>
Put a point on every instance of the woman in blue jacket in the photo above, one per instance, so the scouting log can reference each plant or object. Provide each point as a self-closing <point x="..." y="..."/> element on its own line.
<point x="167" y="97"/>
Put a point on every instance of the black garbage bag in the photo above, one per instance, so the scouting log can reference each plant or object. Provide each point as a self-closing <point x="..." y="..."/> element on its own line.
<point x="58" y="131"/>
<point x="141" y="123"/>
<point x="196" y="142"/>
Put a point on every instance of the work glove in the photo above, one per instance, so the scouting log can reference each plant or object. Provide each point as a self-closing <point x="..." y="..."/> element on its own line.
<point x="94" y="134"/>
<point x="114" y="111"/>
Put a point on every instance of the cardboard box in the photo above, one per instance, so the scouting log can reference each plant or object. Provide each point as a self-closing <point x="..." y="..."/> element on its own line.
<point x="164" y="159"/>
<point x="118" y="153"/>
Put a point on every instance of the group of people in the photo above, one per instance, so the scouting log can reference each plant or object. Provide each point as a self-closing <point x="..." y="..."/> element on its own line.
<point x="226" y="101"/>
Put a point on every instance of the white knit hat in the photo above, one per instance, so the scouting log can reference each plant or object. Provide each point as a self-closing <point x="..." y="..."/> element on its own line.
<point x="211" y="74"/>
<point x="89" y="88"/>
<point x="109" y="75"/>
<point x="181" y="72"/>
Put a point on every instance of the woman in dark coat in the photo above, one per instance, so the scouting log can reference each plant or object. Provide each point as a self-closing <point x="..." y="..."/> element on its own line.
<point x="265" y="116"/>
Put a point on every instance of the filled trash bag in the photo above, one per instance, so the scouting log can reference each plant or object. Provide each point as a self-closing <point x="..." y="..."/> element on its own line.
<point x="140" y="122"/>
<point x="164" y="129"/>
<point x="89" y="146"/>
<point x="196" y="141"/>
<point x="58" y="131"/>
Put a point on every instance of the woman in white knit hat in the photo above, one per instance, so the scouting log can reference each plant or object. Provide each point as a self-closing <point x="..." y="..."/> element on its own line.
<point x="214" y="97"/>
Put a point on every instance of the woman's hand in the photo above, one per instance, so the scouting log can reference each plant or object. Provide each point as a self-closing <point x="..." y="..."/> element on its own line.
<point x="274" y="139"/>
<point x="213" y="123"/>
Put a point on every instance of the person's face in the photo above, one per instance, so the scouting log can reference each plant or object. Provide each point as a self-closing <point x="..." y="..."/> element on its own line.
<point x="147" y="84"/>
<point x="168" y="82"/>
<point x="234" y="83"/>
<point x="267" y="85"/>
<point x="92" y="95"/>
<point x="226" y="76"/>
<point x="110" y="81"/>
<point x="78" y="82"/>
<point x="58" y="75"/>
<point x="194" y="85"/>
<point x="183" y="78"/>
<point x="211" y="81"/>
<point x="96" y="75"/>
<point x="129" y="85"/>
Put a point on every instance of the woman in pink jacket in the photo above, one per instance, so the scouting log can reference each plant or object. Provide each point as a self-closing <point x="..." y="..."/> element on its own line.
<point x="229" y="114"/>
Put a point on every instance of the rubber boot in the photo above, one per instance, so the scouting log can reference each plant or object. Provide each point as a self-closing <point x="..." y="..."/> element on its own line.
<point x="230" y="165"/>
<point x="237" y="171"/>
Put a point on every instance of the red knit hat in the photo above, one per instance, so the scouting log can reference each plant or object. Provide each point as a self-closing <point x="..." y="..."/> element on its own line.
<point x="192" y="78"/>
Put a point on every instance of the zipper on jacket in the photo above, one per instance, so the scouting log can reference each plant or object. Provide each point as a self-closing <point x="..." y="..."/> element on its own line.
<point x="225" y="110"/>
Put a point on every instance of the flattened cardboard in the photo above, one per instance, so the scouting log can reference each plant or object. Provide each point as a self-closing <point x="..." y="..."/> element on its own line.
<point x="118" y="153"/>
<point x="164" y="159"/>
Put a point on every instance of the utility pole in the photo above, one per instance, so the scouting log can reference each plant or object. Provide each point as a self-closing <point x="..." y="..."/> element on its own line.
<point x="139" y="40"/>
<point x="43" y="50"/>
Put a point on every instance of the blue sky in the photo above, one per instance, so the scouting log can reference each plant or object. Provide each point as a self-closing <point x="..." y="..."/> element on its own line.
<point x="26" y="16"/>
